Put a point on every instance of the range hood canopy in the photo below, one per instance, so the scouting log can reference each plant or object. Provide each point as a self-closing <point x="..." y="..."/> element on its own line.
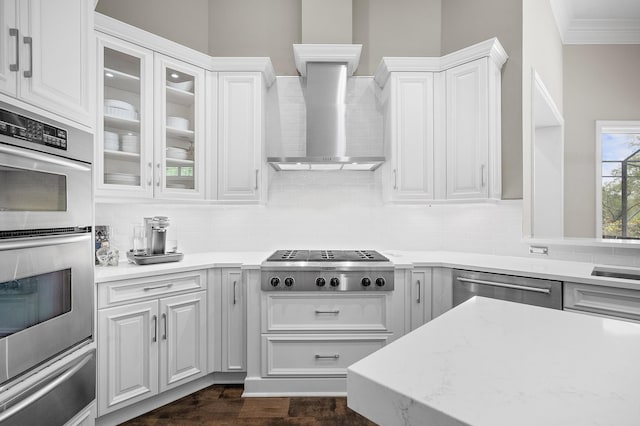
<point x="326" y="68"/>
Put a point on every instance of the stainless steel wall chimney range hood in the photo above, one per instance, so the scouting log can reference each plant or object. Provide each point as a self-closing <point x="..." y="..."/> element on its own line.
<point x="325" y="68"/>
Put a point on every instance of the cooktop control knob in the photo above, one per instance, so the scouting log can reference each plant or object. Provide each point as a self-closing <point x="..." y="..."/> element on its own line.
<point x="380" y="282"/>
<point x="335" y="282"/>
<point x="275" y="281"/>
<point x="320" y="282"/>
<point x="288" y="281"/>
<point x="366" y="282"/>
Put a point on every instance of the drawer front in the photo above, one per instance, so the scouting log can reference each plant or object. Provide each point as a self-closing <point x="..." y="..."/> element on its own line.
<point x="117" y="292"/>
<point x="609" y="301"/>
<point x="317" y="312"/>
<point x="312" y="356"/>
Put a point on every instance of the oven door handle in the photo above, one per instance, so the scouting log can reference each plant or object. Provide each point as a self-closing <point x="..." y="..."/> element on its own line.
<point x="52" y="240"/>
<point x="33" y="155"/>
<point x="46" y="389"/>
<point x="504" y="285"/>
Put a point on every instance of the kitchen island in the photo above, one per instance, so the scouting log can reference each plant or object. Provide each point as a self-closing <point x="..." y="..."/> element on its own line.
<point x="491" y="362"/>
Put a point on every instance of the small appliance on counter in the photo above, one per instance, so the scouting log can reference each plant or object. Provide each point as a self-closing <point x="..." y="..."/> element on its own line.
<point x="150" y="244"/>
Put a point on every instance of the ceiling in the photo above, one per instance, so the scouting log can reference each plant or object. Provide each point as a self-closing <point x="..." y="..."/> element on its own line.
<point x="598" y="21"/>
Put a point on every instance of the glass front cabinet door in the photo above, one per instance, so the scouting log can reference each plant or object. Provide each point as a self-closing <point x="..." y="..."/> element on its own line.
<point x="179" y="117"/>
<point x="124" y="154"/>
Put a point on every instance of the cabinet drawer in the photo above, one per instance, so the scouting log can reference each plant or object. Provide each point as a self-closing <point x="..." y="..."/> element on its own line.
<point x="610" y="301"/>
<point x="320" y="355"/>
<point x="113" y="293"/>
<point x="316" y="312"/>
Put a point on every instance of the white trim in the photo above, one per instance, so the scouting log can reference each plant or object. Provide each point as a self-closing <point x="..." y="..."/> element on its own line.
<point x="349" y="53"/>
<point x="610" y="126"/>
<point x="603" y="31"/>
<point x="491" y="49"/>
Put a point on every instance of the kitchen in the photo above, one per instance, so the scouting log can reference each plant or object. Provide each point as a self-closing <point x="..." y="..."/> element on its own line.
<point x="340" y="209"/>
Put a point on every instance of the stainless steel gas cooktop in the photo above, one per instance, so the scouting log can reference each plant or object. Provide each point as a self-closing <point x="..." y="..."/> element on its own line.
<point x="327" y="270"/>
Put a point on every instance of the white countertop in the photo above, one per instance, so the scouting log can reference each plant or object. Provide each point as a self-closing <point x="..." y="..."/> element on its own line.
<point x="525" y="266"/>
<point x="491" y="362"/>
<point x="193" y="261"/>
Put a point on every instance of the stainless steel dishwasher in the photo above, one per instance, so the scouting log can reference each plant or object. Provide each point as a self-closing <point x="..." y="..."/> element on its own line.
<point x="531" y="291"/>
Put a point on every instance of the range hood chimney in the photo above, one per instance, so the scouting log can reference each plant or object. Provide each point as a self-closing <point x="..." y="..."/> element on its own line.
<point x="325" y="68"/>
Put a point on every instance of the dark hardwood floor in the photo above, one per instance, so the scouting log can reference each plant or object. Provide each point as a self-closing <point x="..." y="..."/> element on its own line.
<point x="224" y="405"/>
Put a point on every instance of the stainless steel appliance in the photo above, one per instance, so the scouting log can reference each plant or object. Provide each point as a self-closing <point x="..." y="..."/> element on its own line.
<point x="156" y="228"/>
<point x="531" y="291"/>
<point x="327" y="270"/>
<point x="155" y="243"/>
<point x="46" y="247"/>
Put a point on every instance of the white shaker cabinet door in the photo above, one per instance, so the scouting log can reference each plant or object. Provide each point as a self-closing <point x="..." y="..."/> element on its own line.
<point x="127" y="355"/>
<point x="182" y="333"/>
<point x="412" y="121"/>
<point x="234" y="352"/>
<point x="467" y="136"/>
<point x="9" y="47"/>
<point x="240" y="135"/>
<point x="56" y="56"/>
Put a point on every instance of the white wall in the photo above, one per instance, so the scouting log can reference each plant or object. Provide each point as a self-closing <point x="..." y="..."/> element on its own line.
<point x="542" y="52"/>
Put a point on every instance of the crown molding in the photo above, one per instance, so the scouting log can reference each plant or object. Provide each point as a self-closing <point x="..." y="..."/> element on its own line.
<point x="491" y="49"/>
<point x="603" y="31"/>
<point x="349" y="53"/>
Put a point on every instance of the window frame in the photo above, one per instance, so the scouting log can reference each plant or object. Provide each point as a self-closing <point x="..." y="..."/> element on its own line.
<point x="608" y="126"/>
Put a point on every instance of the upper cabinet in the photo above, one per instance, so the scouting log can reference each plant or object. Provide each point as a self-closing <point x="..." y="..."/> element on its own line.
<point x="46" y="56"/>
<point x="443" y="125"/>
<point x="240" y="135"/>
<point x="177" y="124"/>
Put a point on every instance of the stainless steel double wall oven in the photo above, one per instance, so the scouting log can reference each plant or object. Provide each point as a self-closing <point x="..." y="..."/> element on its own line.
<point x="46" y="257"/>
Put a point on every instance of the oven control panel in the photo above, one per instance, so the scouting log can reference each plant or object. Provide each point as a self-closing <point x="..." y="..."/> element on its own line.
<point x="328" y="279"/>
<point x="25" y="128"/>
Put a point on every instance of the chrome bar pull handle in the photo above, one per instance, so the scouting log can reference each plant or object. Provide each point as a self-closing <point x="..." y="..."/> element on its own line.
<point x="155" y="287"/>
<point x="334" y="356"/>
<point x="257" y="172"/>
<point x="482" y="178"/>
<point x="155" y="328"/>
<point x="164" y="320"/>
<point x="158" y="182"/>
<point x="29" y="41"/>
<point x="234" y="291"/>
<point x="13" y="32"/>
<point x="419" y="295"/>
<point x="395" y="179"/>
<point x="332" y="312"/>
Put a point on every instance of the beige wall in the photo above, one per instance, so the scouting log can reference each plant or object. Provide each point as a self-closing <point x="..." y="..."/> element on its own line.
<point x="601" y="82"/>
<point x="256" y="28"/>
<point x="395" y="28"/>
<point x="542" y="51"/>
<point x="174" y="20"/>
<point x="467" y="22"/>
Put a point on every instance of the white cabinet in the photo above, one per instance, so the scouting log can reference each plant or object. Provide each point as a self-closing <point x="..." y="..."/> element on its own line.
<point x="421" y="296"/>
<point x="443" y="125"/>
<point x="151" y="124"/>
<point x="240" y="135"/>
<point x="227" y="314"/>
<point x="466" y="130"/>
<point x="611" y="302"/>
<point x="441" y="291"/>
<point x="46" y="55"/>
<point x="411" y="122"/>
<point x="153" y="345"/>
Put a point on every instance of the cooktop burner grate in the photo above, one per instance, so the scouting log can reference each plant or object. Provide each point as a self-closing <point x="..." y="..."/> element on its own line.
<point x="326" y="256"/>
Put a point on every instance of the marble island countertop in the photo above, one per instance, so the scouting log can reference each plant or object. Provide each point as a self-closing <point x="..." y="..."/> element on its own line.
<point x="491" y="362"/>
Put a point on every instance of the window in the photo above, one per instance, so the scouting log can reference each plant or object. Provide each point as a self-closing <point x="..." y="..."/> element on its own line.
<point x="619" y="179"/>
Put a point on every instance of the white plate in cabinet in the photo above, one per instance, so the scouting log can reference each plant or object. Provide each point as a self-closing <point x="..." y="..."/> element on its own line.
<point x="319" y="355"/>
<point x="343" y="312"/>
<point x="118" y="292"/>
<point x="608" y="301"/>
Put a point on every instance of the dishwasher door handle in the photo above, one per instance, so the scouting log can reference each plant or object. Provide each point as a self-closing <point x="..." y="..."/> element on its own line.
<point x="504" y="285"/>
